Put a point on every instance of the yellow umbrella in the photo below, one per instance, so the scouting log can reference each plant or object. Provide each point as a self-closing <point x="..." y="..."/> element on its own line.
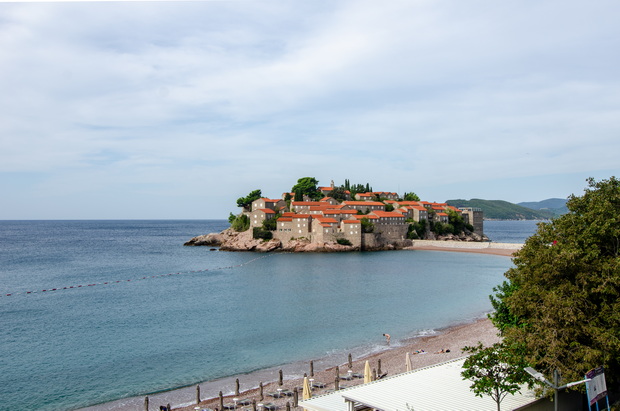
<point x="307" y="394"/>
<point x="408" y="362"/>
<point x="367" y="374"/>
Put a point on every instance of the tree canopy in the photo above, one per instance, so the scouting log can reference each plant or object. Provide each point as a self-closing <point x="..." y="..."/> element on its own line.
<point x="246" y="201"/>
<point x="562" y="299"/>
<point x="495" y="371"/>
<point x="306" y="186"/>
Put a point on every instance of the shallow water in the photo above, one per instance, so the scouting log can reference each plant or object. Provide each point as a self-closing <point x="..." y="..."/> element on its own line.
<point x="152" y="315"/>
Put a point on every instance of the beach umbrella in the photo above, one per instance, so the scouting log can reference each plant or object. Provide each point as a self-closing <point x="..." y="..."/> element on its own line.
<point x="198" y="394"/>
<point x="379" y="366"/>
<point x="237" y="387"/>
<point x="146" y="403"/>
<point x="307" y="394"/>
<point x="312" y="368"/>
<point x="295" y="397"/>
<point x="253" y="405"/>
<point x="350" y="361"/>
<point x="337" y="383"/>
<point x="262" y="397"/>
<point x="221" y="401"/>
<point x="280" y="378"/>
<point x="367" y="374"/>
<point x="288" y="406"/>
<point x="408" y="362"/>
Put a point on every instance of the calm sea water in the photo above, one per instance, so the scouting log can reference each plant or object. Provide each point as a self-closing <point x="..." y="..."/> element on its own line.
<point x="96" y="311"/>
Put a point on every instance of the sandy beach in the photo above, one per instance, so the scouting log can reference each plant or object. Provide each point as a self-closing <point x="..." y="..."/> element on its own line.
<point x="392" y="362"/>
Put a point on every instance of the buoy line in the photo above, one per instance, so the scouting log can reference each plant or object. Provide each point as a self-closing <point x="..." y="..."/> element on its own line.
<point x="73" y="287"/>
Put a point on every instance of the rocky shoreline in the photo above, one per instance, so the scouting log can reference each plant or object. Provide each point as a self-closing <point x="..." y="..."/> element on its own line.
<point x="231" y="240"/>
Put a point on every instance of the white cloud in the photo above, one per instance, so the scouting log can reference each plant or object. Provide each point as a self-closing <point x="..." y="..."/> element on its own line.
<point x="107" y="97"/>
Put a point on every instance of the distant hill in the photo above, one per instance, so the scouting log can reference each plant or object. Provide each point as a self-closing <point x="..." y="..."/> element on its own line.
<point x="555" y="205"/>
<point x="503" y="210"/>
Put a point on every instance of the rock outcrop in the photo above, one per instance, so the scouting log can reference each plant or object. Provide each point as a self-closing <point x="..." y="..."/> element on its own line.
<point x="230" y="240"/>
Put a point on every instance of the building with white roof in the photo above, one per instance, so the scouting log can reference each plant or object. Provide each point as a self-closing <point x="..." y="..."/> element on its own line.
<point x="438" y="387"/>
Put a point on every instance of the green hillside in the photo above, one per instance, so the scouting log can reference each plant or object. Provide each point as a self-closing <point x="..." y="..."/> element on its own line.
<point x="503" y="210"/>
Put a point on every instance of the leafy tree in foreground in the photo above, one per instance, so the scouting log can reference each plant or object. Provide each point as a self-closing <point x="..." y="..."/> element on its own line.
<point x="562" y="301"/>
<point x="495" y="371"/>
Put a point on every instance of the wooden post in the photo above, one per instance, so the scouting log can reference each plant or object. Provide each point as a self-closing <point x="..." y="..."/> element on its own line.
<point x="350" y="361"/>
<point x="261" y="391"/>
<point x="221" y="401"/>
<point x="197" y="394"/>
<point x="311" y="368"/>
<point x="237" y="387"/>
<point x="379" y="366"/>
<point x="280" y="382"/>
<point x="146" y="403"/>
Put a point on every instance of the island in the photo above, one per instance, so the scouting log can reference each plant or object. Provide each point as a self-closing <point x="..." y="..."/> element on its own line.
<point x="311" y="218"/>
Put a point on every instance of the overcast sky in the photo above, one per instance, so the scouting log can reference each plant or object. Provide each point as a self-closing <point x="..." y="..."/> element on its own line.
<point x="176" y="109"/>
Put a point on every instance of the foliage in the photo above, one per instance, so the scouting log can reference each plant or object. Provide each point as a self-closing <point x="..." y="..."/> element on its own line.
<point x="241" y="223"/>
<point x="246" y="201"/>
<point x="440" y="228"/>
<point x="358" y="188"/>
<point x="343" y="241"/>
<point x="411" y="197"/>
<point x="338" y="193"/>
<point x="307" y="186"/>
<point x="416" y="229"/>
<point x="367" y="226"/>
<point x="389" y="207"/>
<point x="259" y="232"/>
<point x="457" y="221"/>
<point x="270" y="224"/>
<point x="231" y="218"/>
<point x="563" y="298"/>
<point x="495" y="371"/>
<point x="501" y="316"/>
<point x="503" y="210"/>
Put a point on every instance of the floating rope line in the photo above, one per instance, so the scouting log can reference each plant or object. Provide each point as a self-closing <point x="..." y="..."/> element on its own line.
<point x="72" y="287"/>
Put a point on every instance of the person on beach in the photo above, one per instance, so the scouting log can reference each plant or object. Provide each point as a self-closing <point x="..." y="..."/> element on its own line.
<point x="387" y="338"/>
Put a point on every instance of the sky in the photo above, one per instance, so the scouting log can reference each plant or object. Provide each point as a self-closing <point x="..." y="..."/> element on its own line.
<point x="174" y="110"/>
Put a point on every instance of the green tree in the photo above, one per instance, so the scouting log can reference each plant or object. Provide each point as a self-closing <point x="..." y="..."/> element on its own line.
<point x="495" y="371"/>
<point x="411" y="197"/>
<point x="307" y="186"/>
<point x="246" y="201"/>
<point x="338" y="193"/>
<point x="241" y="223"/>
<point x="562" y="302"/>
<point x="367" y="226"/>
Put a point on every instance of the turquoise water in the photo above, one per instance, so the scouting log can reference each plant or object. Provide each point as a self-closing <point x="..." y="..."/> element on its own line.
<point x="127" y="310"/>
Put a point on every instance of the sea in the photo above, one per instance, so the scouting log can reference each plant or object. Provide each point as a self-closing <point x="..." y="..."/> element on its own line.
<point x="96" y="315"/>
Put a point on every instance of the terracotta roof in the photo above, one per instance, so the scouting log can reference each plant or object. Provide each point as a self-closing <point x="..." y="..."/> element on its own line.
<point x="368" y="216"/>
<point x="267" y="211"/>
<point x="306" y="203"/>
<point x="387" y="214"/>
<point x="363" y="203"/>
<point x="284" y="219"/>
<point x="326" y="219"/>
<point x="350" y="221"/>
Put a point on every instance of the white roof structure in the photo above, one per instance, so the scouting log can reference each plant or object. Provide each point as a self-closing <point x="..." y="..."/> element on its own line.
<point x="438" y="387"/>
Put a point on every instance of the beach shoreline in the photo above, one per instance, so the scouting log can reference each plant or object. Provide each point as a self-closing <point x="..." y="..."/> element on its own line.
<point x="392" y="358"/>
<point x="392" y="361"/>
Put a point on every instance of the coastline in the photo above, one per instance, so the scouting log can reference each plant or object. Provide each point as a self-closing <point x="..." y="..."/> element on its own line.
<point x="505" y="249"/>
<point x="392" y="362"/>
<point x="392" y="358"/>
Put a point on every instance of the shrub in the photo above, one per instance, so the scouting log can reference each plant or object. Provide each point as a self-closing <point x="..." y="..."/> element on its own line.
<point x="259" y="233"/>
<point x="241" y="223"/>
<point x="343" y="241"/>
